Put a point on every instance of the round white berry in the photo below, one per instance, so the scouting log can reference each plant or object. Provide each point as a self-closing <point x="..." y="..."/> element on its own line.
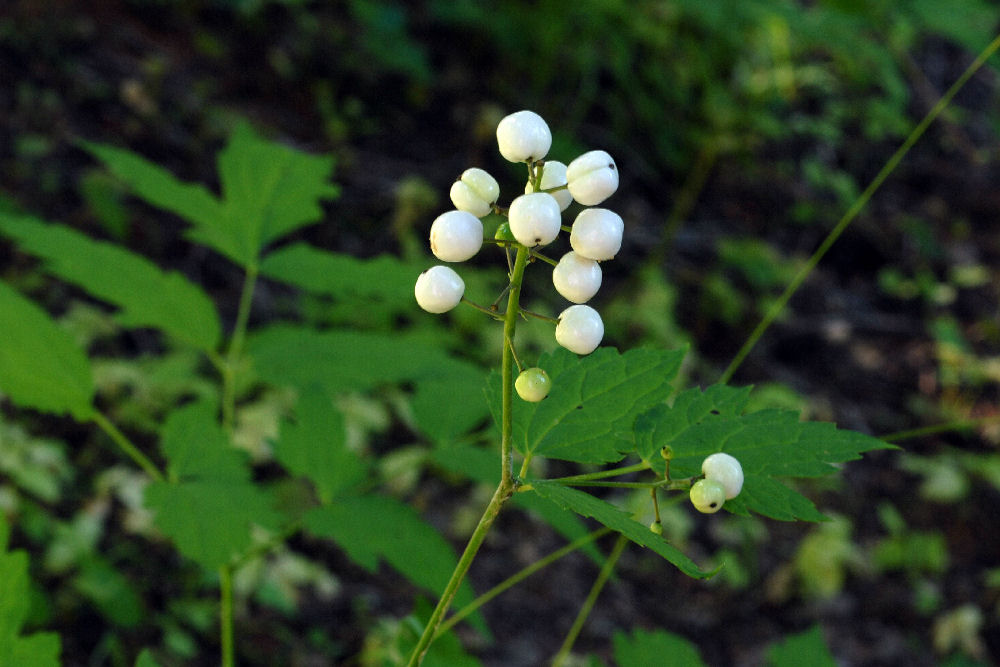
<point x="577" y="278"/>
<point x="580" y="329"/>
<point x="592" y="177"/>
<point x="597" y="234"/>
<point x="725" y="470"/>
<point x="475" y="191"/>
<point x="533" y="384"/>
<point x="534" y="219"/>
<point x="456" y="236"/>
<point x="554" y="176"/>
<point x="523" y="137"/>
<point x="439" y="289"/>
<point x="707" y="496"/>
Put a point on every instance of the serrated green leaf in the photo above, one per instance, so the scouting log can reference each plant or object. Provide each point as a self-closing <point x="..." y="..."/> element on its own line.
<point x="588" y="416"/>
<point x="268" y="190"/>
<point x="806" y="648"/>
<point x="315" y="446"/>
<point x="159" y="187"/>
<point x="656" y="648"/>
<point x="210" y="521"/>
<point x="385" y="277"/>
<point x="587" y="505"/>
<point x="768" y="444"/>
<point x="343" y="360"/>
<point x="372" y="527"/>
<point x="147" y="296"/>
<point x="42" y="648"/>
<point x="196" y="446"/>
<point x="41" y="366"/>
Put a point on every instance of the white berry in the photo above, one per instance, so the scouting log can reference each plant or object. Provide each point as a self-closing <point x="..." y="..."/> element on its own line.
<point x="707" y="496"/>
<point x="597" y="234"/>
<point x="475" y="191"/>
<point x="534" y="219"/>
<point x="523" y="137"/>
<point x="577" y="278"/>
<point x="725" y="470"/>
<point x="592" y="177"/>
<point x="554" y="176"/>
<point x="580" y="329"/>
<point x="439" y="289"/>
<point x="532" y="384"/>
<point x="456" y="236"/>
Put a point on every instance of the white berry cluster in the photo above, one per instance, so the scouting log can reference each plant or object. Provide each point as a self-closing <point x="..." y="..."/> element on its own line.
<point x="723" y="481"/>
<point x="534" y="219"/>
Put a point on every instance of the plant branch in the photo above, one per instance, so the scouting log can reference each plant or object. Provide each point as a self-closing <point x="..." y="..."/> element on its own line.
<point x="127" y="446"/>
<point x="236" y="348"/>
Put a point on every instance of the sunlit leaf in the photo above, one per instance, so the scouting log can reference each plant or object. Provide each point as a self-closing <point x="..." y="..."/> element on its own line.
<point x="41" y="366"/>
<point x="147" y="296"/>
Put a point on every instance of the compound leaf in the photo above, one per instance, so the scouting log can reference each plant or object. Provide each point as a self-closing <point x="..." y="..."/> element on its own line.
<point x="41" y="366"/>
<point x="588" y="416"/>
<point x="315" y="446"/>
<point x="655" y="648"/>
<point x="147" y="296"/>
<point x="587" y="505"/>
<point x="196" y="446"/>
<point x="768" y="444"/>
<point x="373" y="527"/>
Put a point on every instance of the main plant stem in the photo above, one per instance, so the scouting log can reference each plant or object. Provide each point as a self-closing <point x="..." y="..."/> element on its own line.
<point x="507" y="484"/>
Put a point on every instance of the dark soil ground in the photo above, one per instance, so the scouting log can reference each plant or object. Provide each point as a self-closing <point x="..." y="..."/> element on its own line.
<point x="166" y="82"/>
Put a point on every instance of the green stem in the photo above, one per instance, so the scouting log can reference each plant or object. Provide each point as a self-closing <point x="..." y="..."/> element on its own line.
<point x="127" y="446"/>
<point x="852" y="212"/>
<point x="226" y="614"/>
<point x="588" y="605"/>
<point x="957" y="425"/>
<point x="492" y="313"/>
<point x="601" y="474"/>
<point x="507" y="484"/>
<point x="236" y="348"/>
<point x="518" y="577"/>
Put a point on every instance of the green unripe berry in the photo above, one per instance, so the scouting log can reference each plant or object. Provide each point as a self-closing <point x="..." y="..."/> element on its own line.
<point x="503" y="233"/>
<point x="656" y="527"/>
<point x="707" y="496"/>
<point x="533" y="384"/>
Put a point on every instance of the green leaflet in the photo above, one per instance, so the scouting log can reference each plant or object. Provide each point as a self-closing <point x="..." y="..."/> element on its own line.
<point x="314" y="446"/>
<point x="41" y="366"/>
<point x="373" y="527"/>
<point x="268" y="191"/>
<point x="147" y="296"/>
<point x="38" y="650"/>
<point x="656" y="648"/>
<point x="588" y="416"/>
<point x="210" y="505"/>
<point x="587" y="505"/>
<point x="768" y="444"/>
<point x="805" y="648"/>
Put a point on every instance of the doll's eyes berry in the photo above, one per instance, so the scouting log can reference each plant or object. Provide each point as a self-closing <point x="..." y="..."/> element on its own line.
<point x="707" y="496"/>
<point x="532" y="384"/>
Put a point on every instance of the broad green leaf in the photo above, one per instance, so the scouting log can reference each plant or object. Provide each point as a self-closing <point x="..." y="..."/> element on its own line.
<point x="768" y="444"/>
<point x="587" y="505"/>
<point x="806" y="648"/>
<point x="268" y="190"/>
<point x="656" y="648"/>
<point x="450" y="402"/>
<point x="158" y="186"/>
<point x="196" y="446"/>
<point x="385" y="277"/>
<point x="315" y="446"/>
<point x="343" y="360"/>
<point x="210" y="521"/>
<point x="210" y="505"/>
<point x="147" y="296"/>
<point x="109" y="591"/>
<point x="588" y="416"/>
<point x="41" y="366"/>
<point x="40" y="649"/>
<point x="372" y="527"/>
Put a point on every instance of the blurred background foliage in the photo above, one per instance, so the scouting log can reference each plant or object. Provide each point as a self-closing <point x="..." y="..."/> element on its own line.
<point x="743" y="128"/>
